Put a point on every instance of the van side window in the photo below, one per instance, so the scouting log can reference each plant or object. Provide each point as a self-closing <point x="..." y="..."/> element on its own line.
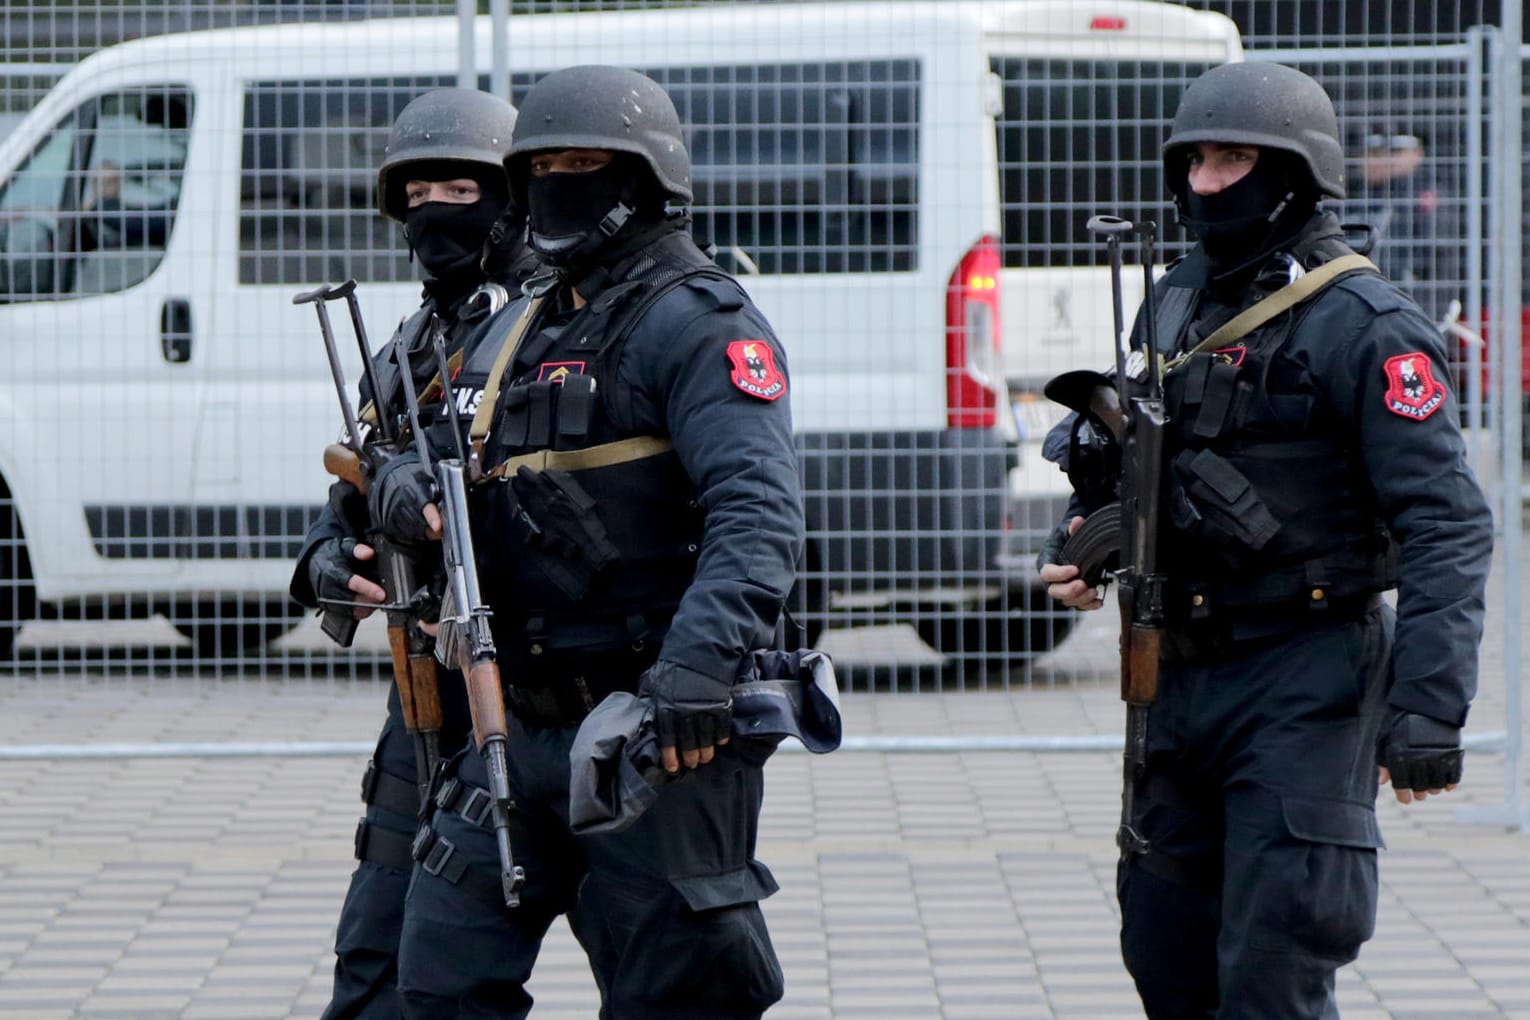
<point x="90" y="212"/>
<point x="804" y="167"/>
<point x="309" y="162"/>
<point x="1078" y="137"/>
<point x="801" y="168"/>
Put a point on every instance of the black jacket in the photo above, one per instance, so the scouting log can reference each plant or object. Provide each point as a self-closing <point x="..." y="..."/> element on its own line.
<point x="1354" y="380"/>
<point x="691" y="549"/>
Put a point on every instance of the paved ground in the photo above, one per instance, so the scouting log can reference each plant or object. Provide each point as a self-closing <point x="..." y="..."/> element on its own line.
<point x="955" y="886"/>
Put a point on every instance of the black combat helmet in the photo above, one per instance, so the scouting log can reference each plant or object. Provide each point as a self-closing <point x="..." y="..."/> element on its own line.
<point x="1257" y="103"/>
<point x="597" y="106"/>
<point x="453" y="125"/>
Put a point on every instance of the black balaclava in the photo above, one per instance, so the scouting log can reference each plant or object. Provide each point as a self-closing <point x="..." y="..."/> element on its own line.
<point x="574" y="216"/>
<point x="1241" y="224"/>
<point x="448" y="237"/>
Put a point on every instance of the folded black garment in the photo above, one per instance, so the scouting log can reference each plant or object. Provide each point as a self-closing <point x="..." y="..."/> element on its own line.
<point x="615" y="769"/>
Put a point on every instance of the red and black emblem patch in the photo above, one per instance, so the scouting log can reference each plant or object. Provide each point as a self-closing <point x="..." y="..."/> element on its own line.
<point x="754" y="369"/>
<point x="557" y="371"/>
<point x="1412" y="390"/>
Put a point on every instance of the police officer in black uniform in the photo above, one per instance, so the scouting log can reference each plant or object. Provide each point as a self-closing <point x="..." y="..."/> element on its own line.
<point x="444" y="180"/>
<point x="1312" y="463"/>
<point x="638" y="532"/>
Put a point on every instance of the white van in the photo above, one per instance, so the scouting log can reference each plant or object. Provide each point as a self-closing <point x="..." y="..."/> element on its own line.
<point x="164" y="404"/>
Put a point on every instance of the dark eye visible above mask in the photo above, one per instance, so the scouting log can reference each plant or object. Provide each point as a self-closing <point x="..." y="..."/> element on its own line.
<point x="1240" y="222"/>
<point x="448" y="237"/>
<point x="573" y="215"/>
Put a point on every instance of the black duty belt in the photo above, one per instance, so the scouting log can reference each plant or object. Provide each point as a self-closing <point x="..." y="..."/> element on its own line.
<point x="1228" y="634"/>
<point x="560" y="688"/>
<point x="557" y="704"/>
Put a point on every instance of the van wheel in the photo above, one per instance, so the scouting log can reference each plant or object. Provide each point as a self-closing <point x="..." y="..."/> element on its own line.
<point x="234" y="629"/>
<point x="1018" y="625"/>
<point x="18" y="596"/>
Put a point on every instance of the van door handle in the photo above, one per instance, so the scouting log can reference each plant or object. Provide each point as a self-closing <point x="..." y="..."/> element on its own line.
<point x="175" y="330"/>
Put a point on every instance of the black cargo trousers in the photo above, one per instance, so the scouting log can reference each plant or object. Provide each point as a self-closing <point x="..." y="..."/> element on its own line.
<point x="367" y="933"/>
<point x="1259" y="805"/>
<point x="667" y="911"/>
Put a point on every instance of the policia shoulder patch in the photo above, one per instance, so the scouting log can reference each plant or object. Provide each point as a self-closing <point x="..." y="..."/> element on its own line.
<point x="1412" y="390"/>
<point x="754" y="369"/>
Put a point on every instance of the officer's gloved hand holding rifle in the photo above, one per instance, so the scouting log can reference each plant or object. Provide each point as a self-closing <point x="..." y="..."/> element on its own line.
<point x="336" y="567"/>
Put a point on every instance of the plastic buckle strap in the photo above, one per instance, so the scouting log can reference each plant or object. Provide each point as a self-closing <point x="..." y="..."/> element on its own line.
<point x="476" y="806"/>
<point x="378" y="844"/>
<point x="392" y="794"/>
<point x="437" y="855"/>
<point x="447" y="794"/>
<point x="369" y="781"/>
<point x="423" y="840"/>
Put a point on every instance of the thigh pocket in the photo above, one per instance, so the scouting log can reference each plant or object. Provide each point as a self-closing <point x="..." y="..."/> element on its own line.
<point x="1330" y="880"/>
<point x="714" y="955"/>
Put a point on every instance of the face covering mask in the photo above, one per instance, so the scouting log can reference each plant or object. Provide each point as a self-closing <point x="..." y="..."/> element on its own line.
<point x="1237" y="221"/>
<point x="573" y="215"/>
<point x="448" y="237"/>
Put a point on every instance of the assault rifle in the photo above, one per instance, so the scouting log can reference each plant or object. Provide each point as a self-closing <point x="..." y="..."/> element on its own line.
<point x="1130" y="408"/>
<point x="357" y="461"/>
<point x="465" y="640"/>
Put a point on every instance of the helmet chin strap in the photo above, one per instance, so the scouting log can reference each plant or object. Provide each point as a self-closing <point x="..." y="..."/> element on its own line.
<point x="569" y="248"/>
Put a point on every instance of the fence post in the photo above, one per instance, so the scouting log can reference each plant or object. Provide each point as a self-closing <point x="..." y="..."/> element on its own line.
<point x="499" y="51"/>
<point x="1504" y="300"/>
<point x="467" y="59"/>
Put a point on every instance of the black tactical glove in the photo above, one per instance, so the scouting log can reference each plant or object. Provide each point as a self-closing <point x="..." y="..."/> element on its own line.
<point x="691" y="710"/>
<point x="1418" y="752"/>
<point x="330" y="566"/>
<point x="396" y="498"/>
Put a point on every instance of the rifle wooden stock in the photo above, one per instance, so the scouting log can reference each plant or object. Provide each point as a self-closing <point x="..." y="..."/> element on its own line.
<point x="426" y="692"/>
<point x="1139" y="678"/>
<point x="398" y="644"/>
<point x="487" y="702"/>
<point x="418" y="691"/>
<point x="342" y="462"/>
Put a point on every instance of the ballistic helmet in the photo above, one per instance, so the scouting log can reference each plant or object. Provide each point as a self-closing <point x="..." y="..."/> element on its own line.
<point x="445" y="125"/>
<point x="596" y="106"/>
<point x="1256" y="103"/>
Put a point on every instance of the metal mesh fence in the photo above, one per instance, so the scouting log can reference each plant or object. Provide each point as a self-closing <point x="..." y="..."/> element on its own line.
<point x="901" y="186"/>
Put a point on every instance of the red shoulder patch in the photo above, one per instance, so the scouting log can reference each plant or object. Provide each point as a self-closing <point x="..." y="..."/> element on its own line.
<point x="1412" y="390"/>
<point x="754" y="369"/>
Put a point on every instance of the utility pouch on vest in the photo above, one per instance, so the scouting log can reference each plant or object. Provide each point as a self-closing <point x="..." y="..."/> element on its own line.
<point x="563" y="532"/>
<point x="576" y="407"/>
<point x="1211" y="385"/>
<point x="1212" y="498"/>
<point x="515" y="418"/>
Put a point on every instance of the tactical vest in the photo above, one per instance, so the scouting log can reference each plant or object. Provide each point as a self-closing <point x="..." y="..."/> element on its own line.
<point x="414" y="337"/>
<point x="593" y="545"/>
<point x="1266" y="491"/>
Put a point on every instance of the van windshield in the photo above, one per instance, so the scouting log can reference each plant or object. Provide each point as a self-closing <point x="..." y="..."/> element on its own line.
<point x="1080" y="137"/>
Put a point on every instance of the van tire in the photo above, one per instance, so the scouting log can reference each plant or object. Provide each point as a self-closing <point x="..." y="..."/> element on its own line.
<point x="235" y="628"/>
<point x="1017" y="626"/>
<point x="18" y="596"/>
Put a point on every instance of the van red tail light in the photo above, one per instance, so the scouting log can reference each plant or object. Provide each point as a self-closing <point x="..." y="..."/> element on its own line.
<point x="973" y="379"/>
